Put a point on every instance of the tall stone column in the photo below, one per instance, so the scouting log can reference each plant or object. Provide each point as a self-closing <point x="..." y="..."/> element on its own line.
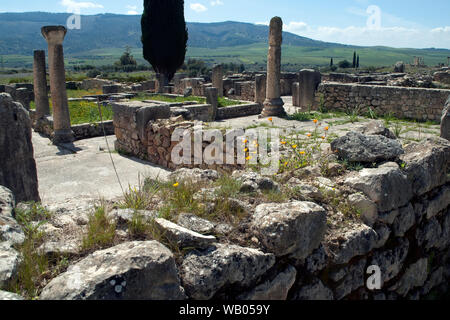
<point x="273" y="106"/>
<point x="40" y="84"/>
<point x="260" y="88"/>
<point x="212" y="96"/>
<point x="309" y="81"/>
<point x="296" y="94"/>
<point x="217" y="78"/>
<point x="61" y="116"/>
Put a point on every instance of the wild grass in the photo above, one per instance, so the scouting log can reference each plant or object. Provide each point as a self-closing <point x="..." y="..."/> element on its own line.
<point x="101" y="230"/>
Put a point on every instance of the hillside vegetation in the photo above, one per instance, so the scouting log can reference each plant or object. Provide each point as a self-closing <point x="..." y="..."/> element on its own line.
<point x="102" y="40"/>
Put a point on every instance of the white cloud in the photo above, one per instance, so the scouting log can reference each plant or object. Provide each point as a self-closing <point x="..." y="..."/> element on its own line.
<point x="399" y="37"/>
<point x="198" y="7"/>
<point x="74" y="6"/>
<point x="132" y="10"/>
<point x="216" y="3"/>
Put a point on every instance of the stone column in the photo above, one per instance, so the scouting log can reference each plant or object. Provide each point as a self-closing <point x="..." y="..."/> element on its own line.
<point x="212" y="95"/>
<point x="217" y="78"/>
<point x="296" y="94"/>
<point x="445" y="121"/>
<point x="61" y="116"/>
<point x="273" y="106"/>
<point x="161" y="82"/>
<point x="40" y="85"/>
<point x="309" y="80"/>
<point x="260" y="88"/>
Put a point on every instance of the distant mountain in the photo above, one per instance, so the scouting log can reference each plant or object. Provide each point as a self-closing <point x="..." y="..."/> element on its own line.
<point x="102" y="39"/>
<point x="20" y="33"/>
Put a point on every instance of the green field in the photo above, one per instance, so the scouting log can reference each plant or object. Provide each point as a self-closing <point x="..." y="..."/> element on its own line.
<point x="256" y="55"/>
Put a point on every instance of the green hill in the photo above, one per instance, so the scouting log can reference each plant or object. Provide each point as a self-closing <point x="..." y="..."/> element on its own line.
<point x="102" y="39"/>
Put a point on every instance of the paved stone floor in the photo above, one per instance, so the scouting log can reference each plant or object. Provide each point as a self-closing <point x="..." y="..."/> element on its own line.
<point x="83" y="172"/>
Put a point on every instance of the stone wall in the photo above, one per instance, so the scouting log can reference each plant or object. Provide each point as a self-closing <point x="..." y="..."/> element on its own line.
<point x="238" y="111"/>
<point x="154" y="143"/>
<point x="412" y="103"/>
<point x="44" y="126"/>
<point x="244" y="90"/>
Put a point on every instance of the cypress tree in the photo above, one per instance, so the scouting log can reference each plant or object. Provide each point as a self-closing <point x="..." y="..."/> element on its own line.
<point x="164" y="35"/>
<point x="331" y="62"/>
<point x="354" y="59"/>
<point x="357" y="62"/>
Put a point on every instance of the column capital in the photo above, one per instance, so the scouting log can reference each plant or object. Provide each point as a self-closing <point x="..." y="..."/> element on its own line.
<point x="54" y="34"/>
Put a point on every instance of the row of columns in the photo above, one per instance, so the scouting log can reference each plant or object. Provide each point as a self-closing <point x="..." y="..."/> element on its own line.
<point x="54" y="35"/>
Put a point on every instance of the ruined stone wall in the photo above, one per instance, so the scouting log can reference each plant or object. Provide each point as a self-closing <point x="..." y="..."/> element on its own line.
<point x="411" y="103"/>
<point x="238" y="111"/>
<point x="156" y="145"/>
<point x="244" y="90"/>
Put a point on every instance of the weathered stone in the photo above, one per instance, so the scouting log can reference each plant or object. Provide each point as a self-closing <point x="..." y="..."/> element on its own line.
<point x="367" y="208"/>
<point x="440" y="202"/>
<point x="183" y="237"/>
<point x="62" y="247"/>
<point x="11" y="231"/>
<point x="317" y="260"/>
<point x="9" y="296"/>
<point x="253" y="182"/>
<point x="276" y="289"/>
<point x="356" y="147"/>
<point x="309" y="80"/>
<point x="305" y="191"/>
<point x="357" y="241"/>
<point x="294" y="228"/>
<point x="388" y="187"/>
<point x="445" y="121"/>
<point x="399" y="67"/>
<point x="429" y="234"/>
<point x="212" y="99"/>
<point x="40" y="84"/>
<point x="260" y="88"/>
<point x="314" y="291"/>
<point x="404" y="221"/>
<point x="187" y="92"/>
<point x="16" y="151"/>
<point x="7" y="202"/>
<point x="217" y="79"/>
<point x="196" y="224"/>
<point x="377" y="128"/>
<point x="124" y="216"/>
<point x="54" y="35"/>
<point x="194" y="176"/>
<point x="129" y="271"/>
<point x="9" y="262"/>
<point x="391" y="261"/>
<point x="415" y="276"/>
<point x="273" y="105"/>
<point x="205" y="273"/>
<point x="354" y="279"/>
<point x="427" y="164"/>
<point x="434" y="280"/>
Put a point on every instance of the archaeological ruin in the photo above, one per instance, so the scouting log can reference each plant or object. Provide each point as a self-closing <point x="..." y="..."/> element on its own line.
<point x="358" y="209"/>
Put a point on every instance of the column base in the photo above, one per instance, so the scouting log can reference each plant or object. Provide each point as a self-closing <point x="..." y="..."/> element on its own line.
<point x="63" y="136"/>
<point x="273" y="108"/>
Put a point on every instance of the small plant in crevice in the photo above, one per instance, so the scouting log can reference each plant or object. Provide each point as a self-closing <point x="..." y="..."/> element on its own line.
<point x="101" y="230"/>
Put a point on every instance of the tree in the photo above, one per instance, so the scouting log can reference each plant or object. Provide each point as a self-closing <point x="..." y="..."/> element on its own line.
<point x="164" y="35"/>
<point x="127" y="59"/>
<point x="331" y="62"/>
<point x="354" y="59"/>
<point x="344" y="64"/>
<point x="357" y="62"/>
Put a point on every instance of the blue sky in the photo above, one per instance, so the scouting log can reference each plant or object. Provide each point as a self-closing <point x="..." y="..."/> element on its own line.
<point x="399" y="23"/>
